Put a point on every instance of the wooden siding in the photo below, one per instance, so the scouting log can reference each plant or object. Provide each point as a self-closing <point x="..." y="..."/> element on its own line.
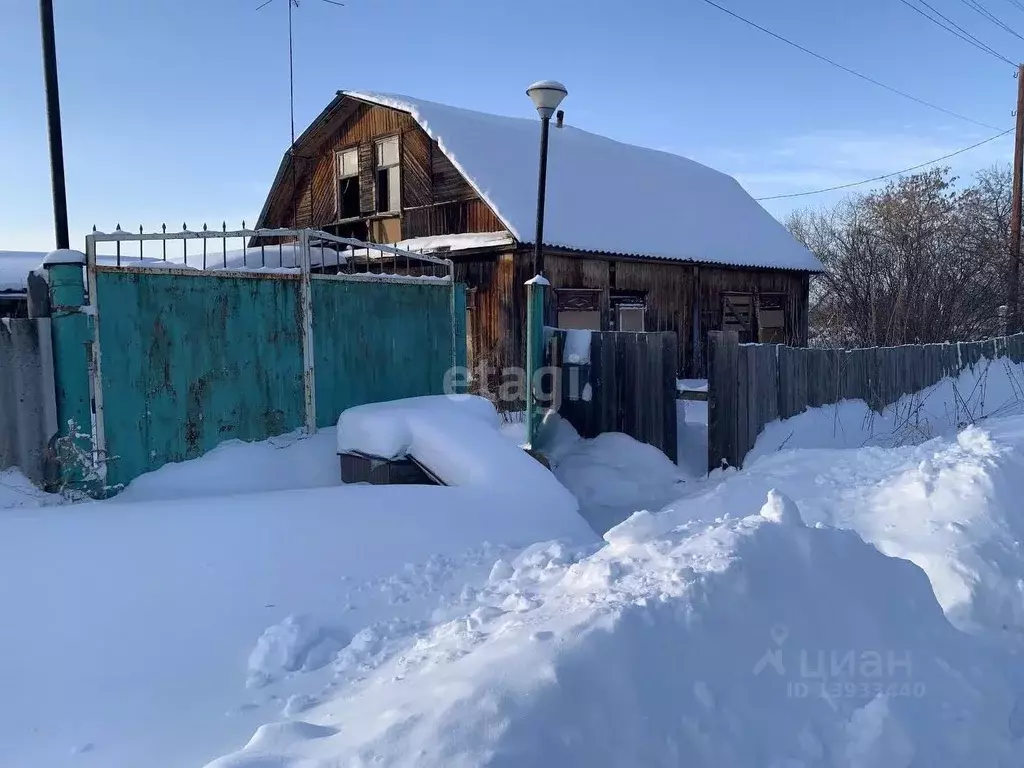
<point x="676" y="294"/>
<point x="493" y="337"/>
<point x="435" y="198"/>
<point x="417" y="189"/>
<point x="447" y="182"/>
<point x="450" y="219"/>
<point x="669" y="298"/>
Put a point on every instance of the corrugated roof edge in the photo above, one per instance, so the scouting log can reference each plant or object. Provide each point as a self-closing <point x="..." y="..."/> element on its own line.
<point x="681" y="260"/>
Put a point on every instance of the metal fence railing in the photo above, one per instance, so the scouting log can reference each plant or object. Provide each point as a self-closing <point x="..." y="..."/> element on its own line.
<point x="222" y="249"/>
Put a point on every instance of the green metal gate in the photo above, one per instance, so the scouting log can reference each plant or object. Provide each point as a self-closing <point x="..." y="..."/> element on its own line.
<point x="187" y="356"/>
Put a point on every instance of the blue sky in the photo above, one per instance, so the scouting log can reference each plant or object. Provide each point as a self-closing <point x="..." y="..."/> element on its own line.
<point x="177" y="110"/>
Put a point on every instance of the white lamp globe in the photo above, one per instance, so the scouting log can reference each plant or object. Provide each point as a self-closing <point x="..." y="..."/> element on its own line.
<point x="546" y="96"/>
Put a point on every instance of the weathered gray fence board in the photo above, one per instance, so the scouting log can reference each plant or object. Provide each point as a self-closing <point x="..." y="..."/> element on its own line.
<point x="751" y="385"/>
<point x="628" y="386"/>
<point x="28" y="410"/>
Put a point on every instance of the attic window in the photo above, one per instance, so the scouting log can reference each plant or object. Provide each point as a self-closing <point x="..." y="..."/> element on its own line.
<point x="348" y="184"/>
<point x="389" y="187"/>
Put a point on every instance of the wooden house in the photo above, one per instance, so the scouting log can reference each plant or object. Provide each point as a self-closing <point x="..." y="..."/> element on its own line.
<point x="635" y="239"/>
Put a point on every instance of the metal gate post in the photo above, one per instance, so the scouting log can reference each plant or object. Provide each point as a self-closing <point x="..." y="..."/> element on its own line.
<point x="308" y="363"/>
<point x="71" y="337"/>
<point x="535" y="290"/>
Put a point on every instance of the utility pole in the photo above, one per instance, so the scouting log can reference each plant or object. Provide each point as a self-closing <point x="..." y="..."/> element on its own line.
<point x="60" y="199"/>
<point x="1015" y="214"/>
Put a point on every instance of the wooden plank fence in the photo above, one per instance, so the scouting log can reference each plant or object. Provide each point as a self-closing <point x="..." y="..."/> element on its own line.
<point x="750" y="385"/>
<point x="628" y="385"/>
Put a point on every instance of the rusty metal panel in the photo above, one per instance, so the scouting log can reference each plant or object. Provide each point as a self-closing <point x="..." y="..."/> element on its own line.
<point x="190" y="361"/>
<point x="378" y="341"/>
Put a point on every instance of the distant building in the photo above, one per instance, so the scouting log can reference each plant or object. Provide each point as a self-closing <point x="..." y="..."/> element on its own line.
<point x="14" y="269"/>
<point x="635" y="239"/>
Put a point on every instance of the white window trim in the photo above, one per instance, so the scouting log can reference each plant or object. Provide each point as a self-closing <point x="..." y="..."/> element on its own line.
<point x="337" y="181"/>
<point x="633" y="307"/>
<point x="397" y="191"/>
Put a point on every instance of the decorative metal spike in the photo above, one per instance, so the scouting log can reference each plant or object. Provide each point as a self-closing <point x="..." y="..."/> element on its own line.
<point x="224" y="226"/>
<point x="118" y="228"/>
<point x="164" y="227"/>
<point x="204" y="226"/>
<point x="93" y="227"/>
<point x="243" y="223"/>
<point x="184" y="227"/>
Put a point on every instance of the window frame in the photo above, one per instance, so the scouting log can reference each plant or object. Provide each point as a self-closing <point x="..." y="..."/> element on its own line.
<point x="338" y="178"/>
<point x="394" y="171"/>
<point x="641" y="308"/>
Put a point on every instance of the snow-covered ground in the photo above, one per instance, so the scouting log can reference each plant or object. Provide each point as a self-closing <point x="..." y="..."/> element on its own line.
<point x="834" y="604"/>
<point x="162" y="627"/>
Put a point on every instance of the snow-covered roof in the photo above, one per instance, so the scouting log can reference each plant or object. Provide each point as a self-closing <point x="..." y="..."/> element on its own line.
<point x="603" y="195"/>
<point x="14" y="269"/>
<point x="461" y="242"/>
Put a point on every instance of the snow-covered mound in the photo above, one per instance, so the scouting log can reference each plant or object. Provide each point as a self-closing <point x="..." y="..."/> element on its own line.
<point x="162" y="633"/>
<point x="16" y="490"/>
<point x="746" y="642"/>
<point x="612" y="475"/>
<point x="951" y="505"/>
<point x="458" y="438"/>
<point x="287" y="462"/>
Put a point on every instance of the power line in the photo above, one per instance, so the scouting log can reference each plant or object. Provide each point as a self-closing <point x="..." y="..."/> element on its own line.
<point x="955" y="29"/>
<point x="985" y="13"/>
<point x="846" y="69"/>
<point x="889" y="175"/>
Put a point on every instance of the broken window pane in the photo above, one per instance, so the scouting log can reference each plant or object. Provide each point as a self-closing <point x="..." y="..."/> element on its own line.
<point x="348" y="198"/>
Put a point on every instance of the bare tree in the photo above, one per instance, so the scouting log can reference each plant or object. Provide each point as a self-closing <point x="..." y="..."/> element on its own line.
<point x="920" y="260"/>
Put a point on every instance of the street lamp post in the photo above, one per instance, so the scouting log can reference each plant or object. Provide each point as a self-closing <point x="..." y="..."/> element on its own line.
<point x="546" y="96"/>
<point x="60" y="203"/>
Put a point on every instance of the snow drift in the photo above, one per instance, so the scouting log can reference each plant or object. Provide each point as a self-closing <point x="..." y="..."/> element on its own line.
<point x="751" y="641"/>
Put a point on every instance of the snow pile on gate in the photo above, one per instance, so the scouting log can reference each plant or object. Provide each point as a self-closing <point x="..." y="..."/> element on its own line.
<point x="745" y="642"/>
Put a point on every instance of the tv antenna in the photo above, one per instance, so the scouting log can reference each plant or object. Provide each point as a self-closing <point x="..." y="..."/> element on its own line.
<point x="291" y="55"/>
<point x="291" y="70"/>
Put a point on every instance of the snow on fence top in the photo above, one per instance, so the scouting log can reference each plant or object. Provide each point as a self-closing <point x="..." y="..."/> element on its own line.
<point x="14" y="269"/>
<point x="603" y="195"/>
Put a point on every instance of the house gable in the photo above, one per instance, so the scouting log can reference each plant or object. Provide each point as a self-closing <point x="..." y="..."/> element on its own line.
<point x="435" y="198"/>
